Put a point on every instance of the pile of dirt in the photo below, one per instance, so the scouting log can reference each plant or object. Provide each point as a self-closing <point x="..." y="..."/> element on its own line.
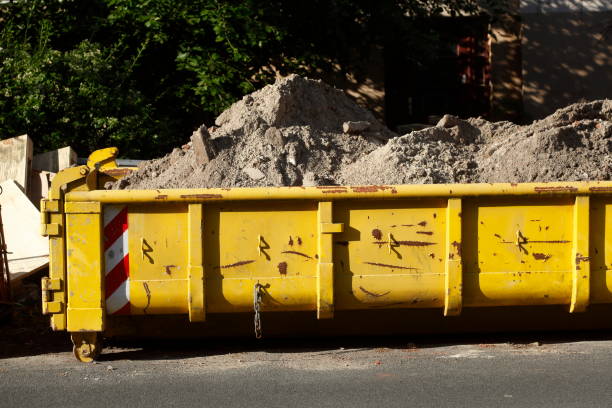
<point x="302" y="132"/>
<point x="573" y="144"/>
<point x="295" y="132"/>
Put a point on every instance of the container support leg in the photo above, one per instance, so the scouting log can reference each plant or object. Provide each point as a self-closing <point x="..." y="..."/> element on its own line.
<point x="581" y="266"/>
<point x="325" y="268"/>
<point x="197" y="290"/>
<point x="453" y="269"/>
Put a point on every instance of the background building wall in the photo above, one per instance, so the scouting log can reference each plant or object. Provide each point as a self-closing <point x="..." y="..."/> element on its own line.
<point x="566" y="53"/>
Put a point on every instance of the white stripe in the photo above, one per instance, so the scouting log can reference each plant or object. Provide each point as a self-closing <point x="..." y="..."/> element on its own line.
<point x="110" y="212"/>
<point x="116" y="252"/>
<point x="119" y="298"/>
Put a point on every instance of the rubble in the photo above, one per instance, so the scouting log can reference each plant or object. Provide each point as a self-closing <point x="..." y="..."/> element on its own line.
<point x="284" y="131"/>
<point x="302" y="132"/>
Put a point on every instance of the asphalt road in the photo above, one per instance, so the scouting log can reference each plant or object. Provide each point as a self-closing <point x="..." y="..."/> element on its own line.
<point x="572" y="371"/>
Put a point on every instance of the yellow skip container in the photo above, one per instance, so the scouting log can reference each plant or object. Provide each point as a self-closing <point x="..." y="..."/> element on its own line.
<point x="322" y="250"/>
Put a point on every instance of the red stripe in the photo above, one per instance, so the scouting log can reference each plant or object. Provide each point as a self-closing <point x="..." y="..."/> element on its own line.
<point x="125" y="310"/>
<point x="116" y="228"/>
<point x="119" y="274"/>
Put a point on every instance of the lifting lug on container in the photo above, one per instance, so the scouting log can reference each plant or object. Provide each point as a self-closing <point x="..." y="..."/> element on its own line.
<point x="49" y="285"/>
<point x="47" y="207"/>
<point x="87" y="346"/>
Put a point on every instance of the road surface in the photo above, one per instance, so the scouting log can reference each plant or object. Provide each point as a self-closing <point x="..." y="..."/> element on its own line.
<point x="572" y="370"/>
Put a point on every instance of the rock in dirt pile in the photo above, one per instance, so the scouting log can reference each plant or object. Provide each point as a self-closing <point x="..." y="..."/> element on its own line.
<point x="303" y="132"/>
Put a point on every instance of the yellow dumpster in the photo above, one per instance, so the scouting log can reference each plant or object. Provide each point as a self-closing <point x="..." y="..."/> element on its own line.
<point x="320" y="250"/>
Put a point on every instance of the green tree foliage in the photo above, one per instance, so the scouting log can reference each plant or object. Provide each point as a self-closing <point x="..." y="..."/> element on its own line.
<point x="141" y="74"/>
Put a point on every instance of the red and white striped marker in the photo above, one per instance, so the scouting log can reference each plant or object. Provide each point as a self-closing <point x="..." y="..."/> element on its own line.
<point x="116" y="260"/>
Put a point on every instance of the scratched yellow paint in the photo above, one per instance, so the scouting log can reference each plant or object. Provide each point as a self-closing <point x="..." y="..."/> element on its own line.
<point x="518" y="252"/>
<point x="391" y="254"/>
<point x="84" y="266"/>
<point x="601" y="250"/>
<point x="158" y="249"/>
<point x="252" y="242"/>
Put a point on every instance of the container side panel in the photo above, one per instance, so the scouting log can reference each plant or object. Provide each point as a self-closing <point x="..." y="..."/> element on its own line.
<point x="271" y="243"/>
<point x="391" y="253"/>
<point x="601" y="250"/>
<point x="158" y="258"/>
<point x="518" y="251"/>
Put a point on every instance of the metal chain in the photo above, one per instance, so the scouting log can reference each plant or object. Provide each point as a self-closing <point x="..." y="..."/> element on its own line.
<point x="257" y="295"/>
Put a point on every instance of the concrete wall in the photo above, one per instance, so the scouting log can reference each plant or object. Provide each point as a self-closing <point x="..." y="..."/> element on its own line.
<point x="55" y="160"/>
<point x="15" y="160"/>
<point x="567" y="53"/>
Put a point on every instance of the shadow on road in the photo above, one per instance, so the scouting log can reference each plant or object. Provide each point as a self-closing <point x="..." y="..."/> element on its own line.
<point x="27" y="333"/>
<point x="179" y="349"/>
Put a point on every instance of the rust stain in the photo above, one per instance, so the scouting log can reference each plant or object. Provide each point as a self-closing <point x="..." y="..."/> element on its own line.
<point x="601" y="189"/>
<point x="541" y="257"/>
<point x="367" y="292"/>
<point x="580" y="258"/>
<point x="422" y="223"/>
<point x="240" y="263"/>
<point x="528" y="241"/>
<point x="376" y="233"/>
<point x="425" y="232"/>
<point x="547" y="242"/>
<point x="297" y="253"/>
<point x="513" y="184"/>
<point x="204" y="196"/>
<point x="334" y="191"/>
<point x="390" y="266"/>
<point x="457" y="246"/>
<point x="407" y="243"/>
<point x="161" y="197"/>
<point x="559" y="189"/>
<point x="282" y="268"/>
<point x="372" y="189"/>
<point x="290" y="241"/>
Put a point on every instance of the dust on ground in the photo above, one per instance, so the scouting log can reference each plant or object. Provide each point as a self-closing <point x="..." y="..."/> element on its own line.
<point x="300" y="131"/>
